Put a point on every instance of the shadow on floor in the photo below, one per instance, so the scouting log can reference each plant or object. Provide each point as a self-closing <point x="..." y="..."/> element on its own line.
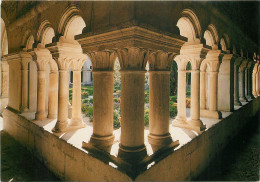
<point x="240" y="160"/>
<point x="17" y="164"/>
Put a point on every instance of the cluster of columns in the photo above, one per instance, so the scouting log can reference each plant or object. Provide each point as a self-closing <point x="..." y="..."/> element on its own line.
<point x="62" y="55"/>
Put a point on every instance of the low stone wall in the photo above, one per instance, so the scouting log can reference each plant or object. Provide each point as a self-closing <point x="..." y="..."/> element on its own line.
<point x="63" y="159"/>
<point x="71" y="163"/>
<point x="190" y="160"/>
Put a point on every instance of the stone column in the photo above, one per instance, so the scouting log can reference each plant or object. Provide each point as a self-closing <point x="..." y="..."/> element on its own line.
<point x="236" y="87"/>
<point x="5" y="78"/>
<point x="202" y="90"/>
<point x="213" y="90"/>
<point x="159" y="94"/>
<point x="181" y="96"/>
<point x="132" y="148"/>
<point x="254" y="83"/>
<point x="63" y="99"/>
<point x="53" y="95"/>
<point x="25" y="89"/>
<point x="257" y="83"/>
<point x="242" y="86"/>
<point x="76" y="118"/>
<point x="103" y="87"/>
<point x="40" y="114"/>
<point x="132" y="115"/>
<point x="195" y="98"/>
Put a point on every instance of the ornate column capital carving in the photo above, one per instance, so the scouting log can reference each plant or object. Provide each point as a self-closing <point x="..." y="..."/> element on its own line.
<point x="132" y="58"/>
<point x="243" y="65"/>
<point x="21" y="57"/>
<point x="102" y="60"/>
<point x="194" y="54"/>
<point x="160" y="60"/>
<point x="41" y="56"/>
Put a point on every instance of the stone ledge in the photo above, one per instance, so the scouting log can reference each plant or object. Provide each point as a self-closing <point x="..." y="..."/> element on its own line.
<point x="69" y="161"/>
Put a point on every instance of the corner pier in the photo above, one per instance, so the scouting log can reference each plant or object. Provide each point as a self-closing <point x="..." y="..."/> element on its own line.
<point x="65" y="157"/>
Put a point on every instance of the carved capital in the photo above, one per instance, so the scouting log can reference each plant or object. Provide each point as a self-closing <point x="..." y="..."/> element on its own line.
<point x="182" y="61"/>
<point x="160" y="60"/>
<point x="243" y="65"/>
<point x="77" y="62"/>
<point x="19" y="60"/>
<point x="41" y="56"/>
<point x="132" y="58"/>
<point x="102" y="60"/>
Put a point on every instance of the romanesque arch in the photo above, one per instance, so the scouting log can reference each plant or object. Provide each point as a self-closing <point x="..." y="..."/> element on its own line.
<point x="189" y="26"/>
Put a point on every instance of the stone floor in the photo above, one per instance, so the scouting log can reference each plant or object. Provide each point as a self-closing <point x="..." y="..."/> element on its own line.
<point x="240" y="160"/>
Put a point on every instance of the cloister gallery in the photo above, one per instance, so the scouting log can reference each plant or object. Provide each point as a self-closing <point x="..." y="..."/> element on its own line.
<point x="41" y="41"/>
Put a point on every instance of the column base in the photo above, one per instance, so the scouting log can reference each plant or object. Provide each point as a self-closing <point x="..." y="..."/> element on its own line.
<point x="24" y="109"/>
<point x="99" y="142"/>
<point x="40" y="116"/>
<point x="52" y="116"/>
<point x="60" y="127"/>
<point x="132" y="155"/>
<point x="243" y="99"/>
<point x="237" y="103"/>
<point x="210" y="114"/>
<point x="78" y="123"/>
<point x="187" y="125"/>
<point x="160" y="141"/>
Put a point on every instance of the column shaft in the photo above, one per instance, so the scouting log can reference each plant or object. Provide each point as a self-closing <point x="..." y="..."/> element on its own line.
<point x="63" y="99"/>
<point x="76" y="119"/>
<point x="5" y="83"/>
<point x="213" y="91"/>
<point x="257" y="83"/>
<point x="40" y="114"/>
<point x="25" y="90"/>
<point x="103" y="87"/>
<point x="53" y="95"/>
<point x="202" y="91"/>
<point x="181" y="96"/>
<point x="242" y="85"/>
<point x="236" y="87"/>
<point x="159" y="92"/>
<point x="195" y="96"/>
<point x="132" y="115"/>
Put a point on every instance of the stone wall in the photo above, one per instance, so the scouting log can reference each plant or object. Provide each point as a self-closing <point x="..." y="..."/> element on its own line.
<point x="71" y="163"/>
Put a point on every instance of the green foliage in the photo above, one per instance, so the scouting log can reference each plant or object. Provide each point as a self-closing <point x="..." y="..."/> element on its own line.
<point x="88" y="111"/>
<point x="188" y="93"/>
<point x="116" y="122"/>
<point x="173" y="79"/>
<point x="173" y="111"/>
<point x="146" y="117"/>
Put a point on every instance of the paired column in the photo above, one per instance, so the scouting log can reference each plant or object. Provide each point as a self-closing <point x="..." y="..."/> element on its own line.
<point x="159" y="86"/>
<point x="76" y="118"/>
<point x="195" y="99"/>
<point x="213" y="76"/>
<point x="63" y="99"/>
<point x="53" y="95"/>
<point x="242" y="85"/>
<point x="5" y="79"/>
<point x="181" y="95"/>
<point x="103" y="87"/>
<point x="202" y="90"/>
<point x="132" y="148"/>
<point x="40" y="114"/>
<point x="25" y="88"/>
<point x="236" y="86"/>
<point x="257" y="83"/>
<point x="132" y="115"/>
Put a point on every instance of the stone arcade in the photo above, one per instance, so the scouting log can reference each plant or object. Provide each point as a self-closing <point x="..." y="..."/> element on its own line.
<point x="39" y="49"/>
